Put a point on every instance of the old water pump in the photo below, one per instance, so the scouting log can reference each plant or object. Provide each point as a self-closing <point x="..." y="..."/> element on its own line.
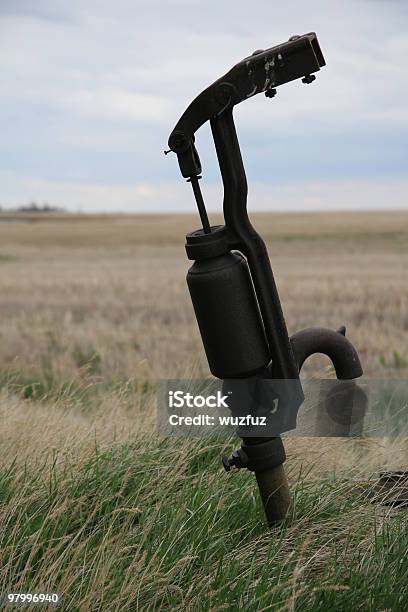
<point x="231" y="284"/>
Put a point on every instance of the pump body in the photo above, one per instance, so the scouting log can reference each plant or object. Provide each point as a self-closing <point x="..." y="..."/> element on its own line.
<point x="231" y="283"/>
<point x="228" y="316"/>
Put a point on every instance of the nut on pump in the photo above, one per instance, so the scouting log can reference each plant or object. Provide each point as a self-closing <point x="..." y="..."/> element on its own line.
<point x="231" y="284"/>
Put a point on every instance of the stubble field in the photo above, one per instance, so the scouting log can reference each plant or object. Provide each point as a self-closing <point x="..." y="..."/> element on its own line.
<point x="94" y="505"/>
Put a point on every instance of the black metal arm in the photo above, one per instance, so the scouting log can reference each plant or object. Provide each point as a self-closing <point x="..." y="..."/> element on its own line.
<point x="261" y="72"/>
<point x="244" y="238"/>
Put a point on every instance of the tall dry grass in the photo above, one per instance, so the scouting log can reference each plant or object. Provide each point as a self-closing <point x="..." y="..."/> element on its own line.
<point x="95" y="505"/>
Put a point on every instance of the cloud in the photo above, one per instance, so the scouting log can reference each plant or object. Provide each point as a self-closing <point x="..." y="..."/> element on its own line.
<point x="156" y="197"/>
<point x="40" y="9"/>
<point x="91" y="90"/>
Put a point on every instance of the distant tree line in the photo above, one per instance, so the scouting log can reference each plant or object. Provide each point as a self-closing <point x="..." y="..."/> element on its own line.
<point x="33" y="207"/>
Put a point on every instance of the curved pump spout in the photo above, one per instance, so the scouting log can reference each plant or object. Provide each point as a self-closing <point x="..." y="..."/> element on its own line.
<point x="334" y="344"/>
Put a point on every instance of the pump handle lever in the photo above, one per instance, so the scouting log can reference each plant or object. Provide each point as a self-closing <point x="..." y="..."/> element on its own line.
<point x="266" y="69"/>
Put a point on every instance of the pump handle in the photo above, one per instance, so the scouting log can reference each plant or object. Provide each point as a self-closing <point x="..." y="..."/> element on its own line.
<point x="262" y="71"/>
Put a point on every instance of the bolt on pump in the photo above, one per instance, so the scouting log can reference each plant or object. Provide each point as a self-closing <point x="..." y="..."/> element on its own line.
<point x="231" y="283"/>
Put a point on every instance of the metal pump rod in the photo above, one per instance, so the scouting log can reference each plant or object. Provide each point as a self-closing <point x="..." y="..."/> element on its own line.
<point x="200" y="203"/>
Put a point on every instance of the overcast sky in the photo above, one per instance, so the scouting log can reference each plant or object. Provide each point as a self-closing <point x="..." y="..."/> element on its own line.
<point x="90" y="90"/>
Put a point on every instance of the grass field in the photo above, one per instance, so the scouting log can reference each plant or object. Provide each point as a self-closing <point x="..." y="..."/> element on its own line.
<point x="96" y="506"/>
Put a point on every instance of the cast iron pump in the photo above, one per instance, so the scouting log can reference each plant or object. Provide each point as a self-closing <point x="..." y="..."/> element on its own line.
<point x="231" y="284"/>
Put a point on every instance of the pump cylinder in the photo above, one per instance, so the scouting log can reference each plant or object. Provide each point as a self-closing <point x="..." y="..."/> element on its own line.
<point x="228" y="316"/>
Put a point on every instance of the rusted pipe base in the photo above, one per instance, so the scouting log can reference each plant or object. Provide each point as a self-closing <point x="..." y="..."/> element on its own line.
<point x="275" y="493"/>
